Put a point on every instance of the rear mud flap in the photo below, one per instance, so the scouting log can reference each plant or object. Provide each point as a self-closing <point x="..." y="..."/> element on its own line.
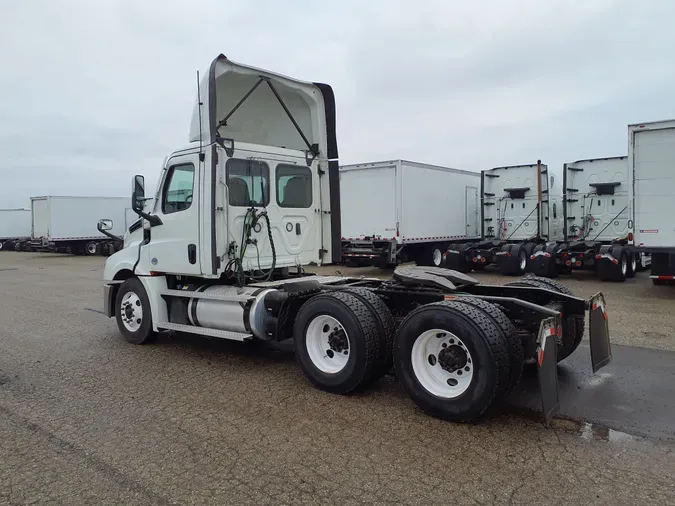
<point x="601" y="350"/>
<point x="547" y="365"/>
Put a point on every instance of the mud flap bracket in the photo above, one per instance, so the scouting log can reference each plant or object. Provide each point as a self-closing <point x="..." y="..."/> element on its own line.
<point x="547" y="366"/>
<point x="601" y="349"/>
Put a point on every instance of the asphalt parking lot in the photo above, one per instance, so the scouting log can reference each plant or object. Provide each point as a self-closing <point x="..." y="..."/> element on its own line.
<point x="87" y="419"/>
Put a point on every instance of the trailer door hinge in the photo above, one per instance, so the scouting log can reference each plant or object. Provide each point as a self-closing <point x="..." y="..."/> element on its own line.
<point x="220" y="208"/>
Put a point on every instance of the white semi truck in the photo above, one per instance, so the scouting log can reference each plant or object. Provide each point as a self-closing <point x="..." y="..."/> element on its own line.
<point x="520" y="213"/>
<point x="651" y="167"/>
<point x="253" y="198"/>
<point x="398" y="211"/>
<point x="14" y="227"/>
<point x="596" y="216"/>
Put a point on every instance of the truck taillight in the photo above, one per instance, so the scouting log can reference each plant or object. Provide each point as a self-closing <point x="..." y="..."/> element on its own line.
<point x="630" y="236"/>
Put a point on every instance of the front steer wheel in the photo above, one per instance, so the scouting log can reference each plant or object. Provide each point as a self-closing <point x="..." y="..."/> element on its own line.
<point x="337" y="342"/>
<point x="132" y="312"/>
<point x="452" y="359"/>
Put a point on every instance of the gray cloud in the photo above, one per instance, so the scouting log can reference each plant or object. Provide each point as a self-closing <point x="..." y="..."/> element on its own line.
<point x="93" y="92"/>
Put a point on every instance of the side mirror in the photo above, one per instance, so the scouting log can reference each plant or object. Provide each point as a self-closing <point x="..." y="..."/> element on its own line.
<point x="138" y="193"/>
<point x="104" y="225"/>
<point x="138" y="201"/>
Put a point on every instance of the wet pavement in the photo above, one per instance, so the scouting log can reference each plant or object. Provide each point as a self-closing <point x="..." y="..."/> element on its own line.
<point x="87" y="418"/>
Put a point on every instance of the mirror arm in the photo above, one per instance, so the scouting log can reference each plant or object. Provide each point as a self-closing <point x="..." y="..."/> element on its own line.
<point x="153" y="219"/>
<point x="108" y="234"/>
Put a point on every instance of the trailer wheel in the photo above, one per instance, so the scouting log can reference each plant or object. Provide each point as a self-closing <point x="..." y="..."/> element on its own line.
<point x="516" y="353"/>
<point x="608" y="270"/>
<point x="337" y="342"/>
<point x="452" y="359"/>
<point x="18" y="246"/>
<point x="515" y="261"/>
<point x="573" y="326"/>
<point x="632" y="263"/>
<point x="91" y="248"/>
<point x="132" y="312"/>
<point x="386" y="329"/>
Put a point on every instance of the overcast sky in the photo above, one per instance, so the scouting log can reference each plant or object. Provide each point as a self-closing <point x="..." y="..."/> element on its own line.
<point x="92" y="92"/>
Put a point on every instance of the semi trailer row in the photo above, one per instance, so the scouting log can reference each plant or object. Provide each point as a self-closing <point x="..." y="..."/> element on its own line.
<point x="254" y="197"/>
<point x="66" y="225"/>
<point x="520" y="218"/>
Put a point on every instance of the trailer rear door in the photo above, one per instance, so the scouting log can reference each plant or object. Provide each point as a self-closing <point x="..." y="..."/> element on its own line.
<point x="368" y="200"/>
<point x="654" y="190"/>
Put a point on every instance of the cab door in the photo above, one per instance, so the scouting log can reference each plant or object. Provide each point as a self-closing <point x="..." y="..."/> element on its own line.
<point x="174" y="246"/>
<point x="297" y="199"/>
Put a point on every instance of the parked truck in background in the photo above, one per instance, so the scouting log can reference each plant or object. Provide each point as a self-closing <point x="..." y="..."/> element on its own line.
<point x="253" y="198"/>
<point x="399" y="211"/>
<point x="69" y="224"/>
<point x="596" y="216"/>
<point x="651" y="167"/>
<point x="520" y="213"/>
<point x="14" y="227"/>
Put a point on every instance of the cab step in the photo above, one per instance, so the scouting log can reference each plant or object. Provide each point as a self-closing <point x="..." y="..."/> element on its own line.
<point x="203" y="331"/>
<point x="209" y="296"/>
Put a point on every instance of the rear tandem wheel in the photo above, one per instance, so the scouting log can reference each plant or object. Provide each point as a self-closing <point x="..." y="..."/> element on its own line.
<point x="452" y="359"/>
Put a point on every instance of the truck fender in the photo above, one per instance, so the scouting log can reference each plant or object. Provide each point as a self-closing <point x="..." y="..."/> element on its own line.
<point x="154" y="286"/>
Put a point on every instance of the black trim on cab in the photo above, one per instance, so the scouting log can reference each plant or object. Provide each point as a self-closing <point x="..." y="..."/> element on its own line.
<point x="213" y="122"/>
<point x="329" y="105"/>
<point x="564" y="201"/>
<point x="215" y="259"/>
<point x="335" y="224"/>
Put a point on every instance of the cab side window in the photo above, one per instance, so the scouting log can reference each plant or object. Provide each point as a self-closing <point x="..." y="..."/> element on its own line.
<point x="294" y="186"/>
<point x="178" y="188"/>
<point x="248" y="182"/>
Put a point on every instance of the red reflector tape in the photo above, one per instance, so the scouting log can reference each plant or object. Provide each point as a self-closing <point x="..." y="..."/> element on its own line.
<point x="598" y="257"/>
<point x="541" y="356"/>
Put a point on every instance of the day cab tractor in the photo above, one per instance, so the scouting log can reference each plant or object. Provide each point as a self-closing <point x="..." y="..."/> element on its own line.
<point x="253" y="198"/>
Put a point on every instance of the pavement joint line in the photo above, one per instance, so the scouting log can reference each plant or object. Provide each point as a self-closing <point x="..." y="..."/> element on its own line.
<point x="96" y="462"/>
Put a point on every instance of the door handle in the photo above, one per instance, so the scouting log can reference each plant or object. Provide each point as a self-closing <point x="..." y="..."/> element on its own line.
<point x="192" y="253"/>
<point x="297" y="229"/>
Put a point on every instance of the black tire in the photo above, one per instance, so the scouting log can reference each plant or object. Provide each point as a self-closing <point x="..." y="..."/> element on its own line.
<point x="632" y="264"/>
<point x="427" y="256"/>
<point x="437" y="251"/>
<point x="386" y="329"/>
<point x="573" y="326"/>
<point x="144" y="334"/>
<point x="361" y="327"/>
<point x="485" y="343"/>
<point x="609" y="271"/>
<point x="18" y="246"/>
<point x="92" y="248"/>
<point x="516" y="354"/>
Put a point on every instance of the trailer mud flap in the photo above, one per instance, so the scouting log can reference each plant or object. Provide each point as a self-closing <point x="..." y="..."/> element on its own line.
<point x="601" y="350"/>
<point x="547" y="366"/>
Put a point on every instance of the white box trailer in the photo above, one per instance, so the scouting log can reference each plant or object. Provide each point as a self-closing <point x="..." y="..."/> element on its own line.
<point x="14" y="227"/>
<point x="69" y="224"/>
<point x="520" y="213"/>
<point x="651" y="165"/>
<point x="397" y="211"/>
